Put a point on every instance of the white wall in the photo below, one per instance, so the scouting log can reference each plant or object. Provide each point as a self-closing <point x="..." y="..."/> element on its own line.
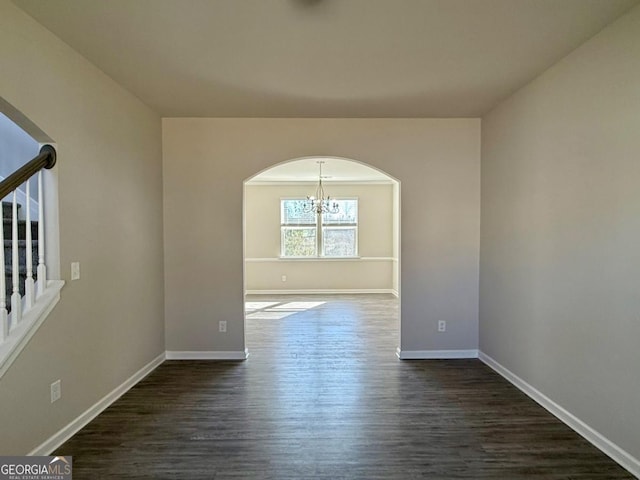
<point x="560" y="262"/>
<point x="108" y="324"/>
<point x="396" y="228"/>
<point x="206" y="162"/>
<point x="264" y="269"/>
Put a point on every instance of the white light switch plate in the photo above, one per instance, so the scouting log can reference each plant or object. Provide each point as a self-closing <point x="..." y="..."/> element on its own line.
<point x="75" y="270"/>
<point x="56" y="391"/>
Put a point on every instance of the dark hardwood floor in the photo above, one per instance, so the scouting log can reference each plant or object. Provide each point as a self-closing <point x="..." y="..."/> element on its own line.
<point x="323" y="396"/>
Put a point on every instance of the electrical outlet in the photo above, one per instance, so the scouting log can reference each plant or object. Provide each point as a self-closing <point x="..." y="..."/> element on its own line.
<point x="222" y="326"/>
<point x="442" y="326"/>
<point x="284" y="278"/>
<point x="56" y="391"/>
<point x="75" y="270"/>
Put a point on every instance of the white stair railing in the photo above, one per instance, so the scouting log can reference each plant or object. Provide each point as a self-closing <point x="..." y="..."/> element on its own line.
<point x="10" y="321"/>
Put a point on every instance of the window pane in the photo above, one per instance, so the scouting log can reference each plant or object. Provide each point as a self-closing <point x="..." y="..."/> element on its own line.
<point x="292" y="213"/>
<point x="339" y="242"/>
<point x="347" y="212"/>
<point x="298" y="242"/>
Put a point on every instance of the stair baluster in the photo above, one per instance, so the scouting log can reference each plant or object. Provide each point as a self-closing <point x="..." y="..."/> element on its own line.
<point x="42" y="269"/>
<point x="28" y="282"/>
<point x="4" y="319"/>
<point x="16" y="298"/>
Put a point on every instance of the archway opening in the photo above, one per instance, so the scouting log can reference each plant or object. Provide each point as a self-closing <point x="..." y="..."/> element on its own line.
<point x="301" y="264"/>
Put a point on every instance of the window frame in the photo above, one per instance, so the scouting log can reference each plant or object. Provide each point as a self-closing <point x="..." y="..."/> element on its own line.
<point x="319" y="226"/>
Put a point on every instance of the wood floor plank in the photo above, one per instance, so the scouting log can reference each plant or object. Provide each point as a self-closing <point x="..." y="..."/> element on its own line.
<point x="323" y="396"/>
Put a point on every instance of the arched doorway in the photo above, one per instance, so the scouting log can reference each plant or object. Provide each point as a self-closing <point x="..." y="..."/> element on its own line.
<point x="293" y="257"/>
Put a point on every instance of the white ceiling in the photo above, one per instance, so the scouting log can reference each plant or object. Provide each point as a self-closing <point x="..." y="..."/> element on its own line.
<point x="324" y="58"/>
<point x="334" y="169"/>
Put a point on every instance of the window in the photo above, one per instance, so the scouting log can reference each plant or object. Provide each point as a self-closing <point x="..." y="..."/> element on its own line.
<point x="326" y="235"/>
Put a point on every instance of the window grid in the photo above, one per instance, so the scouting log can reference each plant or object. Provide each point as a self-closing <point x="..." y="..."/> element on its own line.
<point x="336" y="235"/>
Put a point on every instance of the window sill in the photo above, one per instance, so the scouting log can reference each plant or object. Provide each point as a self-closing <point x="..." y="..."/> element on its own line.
<point x="319" y="259"/>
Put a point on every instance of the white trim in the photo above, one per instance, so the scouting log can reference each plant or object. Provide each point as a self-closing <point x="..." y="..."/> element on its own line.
<point x="435" y="354"/>
<point x="316" y="259"/>
<point x="321" y="291"/>
<point x="622" y="457"/>
<point x="207" y="355"/>
<point x="80" y="422"/>
<point x="395" y="293"/>
<point x="20" y="335"/>
<point x="269" y="183"/>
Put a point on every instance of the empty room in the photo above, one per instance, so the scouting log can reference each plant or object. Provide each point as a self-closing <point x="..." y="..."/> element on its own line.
<point x="320" y="239"/>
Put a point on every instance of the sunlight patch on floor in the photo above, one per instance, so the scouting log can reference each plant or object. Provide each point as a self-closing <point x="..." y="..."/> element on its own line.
<point x="268" y="315"/>
<point x="253" y="306"/>
<point x="298" y="306"/>
<point x="277" y="310"/>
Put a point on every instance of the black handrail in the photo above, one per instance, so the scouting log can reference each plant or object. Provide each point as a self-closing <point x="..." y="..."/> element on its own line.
<point x="45" y="159"/>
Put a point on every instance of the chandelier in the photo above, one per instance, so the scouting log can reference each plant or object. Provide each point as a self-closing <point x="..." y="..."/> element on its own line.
<point x="319" y="203"/>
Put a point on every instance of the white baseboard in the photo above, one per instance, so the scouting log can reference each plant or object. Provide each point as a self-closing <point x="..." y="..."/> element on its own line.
<point x="207" y="355"/>
<point x="76" y="425"/>
<point x="625" y="459"/>
<point x="326" y="291"/>
<point x="435" y="354"/>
